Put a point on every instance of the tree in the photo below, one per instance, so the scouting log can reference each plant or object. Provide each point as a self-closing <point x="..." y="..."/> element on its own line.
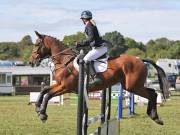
<point x="26" y="54"/>
<point x="131" y="43"/>
<point x="117" y="43"/>
<point x="26" y="41"/>
<point x="161" y="48"/>
<point x="70" y="40"/>
<point x="9" y="50"/>
<point x="135" y="52"/>
<point x="25" y="47"/>
<point x="174" y="51"/>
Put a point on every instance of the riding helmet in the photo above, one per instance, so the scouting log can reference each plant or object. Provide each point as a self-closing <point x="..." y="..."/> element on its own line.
<point x="86" y="14"/>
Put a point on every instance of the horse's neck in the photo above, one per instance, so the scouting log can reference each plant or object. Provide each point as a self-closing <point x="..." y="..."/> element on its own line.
<point x="58" y="53"/>
<point x="56" y="49"/>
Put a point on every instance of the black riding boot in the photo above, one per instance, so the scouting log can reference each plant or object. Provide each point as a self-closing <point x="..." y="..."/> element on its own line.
<point x="95" y="78"/>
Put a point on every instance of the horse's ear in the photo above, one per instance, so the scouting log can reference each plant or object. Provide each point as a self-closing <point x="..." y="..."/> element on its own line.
<point x="38" y="34"/>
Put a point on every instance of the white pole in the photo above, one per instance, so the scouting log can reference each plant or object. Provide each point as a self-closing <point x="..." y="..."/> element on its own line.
<point x="61" y="100"/>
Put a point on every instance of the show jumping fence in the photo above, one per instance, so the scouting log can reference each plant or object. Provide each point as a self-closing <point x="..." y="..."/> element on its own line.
<point x="107" y="127"/>
<point x="130" y="103"/>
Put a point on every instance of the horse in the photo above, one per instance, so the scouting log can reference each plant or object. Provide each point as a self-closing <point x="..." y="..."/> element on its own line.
<point x="130" y="71"/>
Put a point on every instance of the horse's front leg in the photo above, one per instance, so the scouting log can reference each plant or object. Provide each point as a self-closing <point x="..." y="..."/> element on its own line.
<point x="41" y="96"/>
<point x="54" y="91"/>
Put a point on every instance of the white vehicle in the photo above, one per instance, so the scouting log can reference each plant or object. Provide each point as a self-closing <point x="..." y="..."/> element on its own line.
<point x="170" y="66"/>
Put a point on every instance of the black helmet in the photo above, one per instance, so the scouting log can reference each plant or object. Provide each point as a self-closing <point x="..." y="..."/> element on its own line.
<point x="86" y="15"/>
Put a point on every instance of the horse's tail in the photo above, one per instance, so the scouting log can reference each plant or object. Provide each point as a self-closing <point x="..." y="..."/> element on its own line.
<point x="164" y="88"/>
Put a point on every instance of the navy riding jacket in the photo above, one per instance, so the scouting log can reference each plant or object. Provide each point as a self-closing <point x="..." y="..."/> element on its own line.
<point x="93" y="38"/>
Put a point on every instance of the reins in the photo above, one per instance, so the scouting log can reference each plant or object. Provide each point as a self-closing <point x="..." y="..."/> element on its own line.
<point x="64" y="64"/>
<point x="62" y="52"/>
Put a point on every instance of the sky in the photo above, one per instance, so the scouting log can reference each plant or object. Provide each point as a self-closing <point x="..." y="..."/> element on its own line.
<point x="141" y="20"/>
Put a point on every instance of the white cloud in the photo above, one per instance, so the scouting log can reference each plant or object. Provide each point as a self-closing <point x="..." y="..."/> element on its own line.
<point x="141" y="25"/>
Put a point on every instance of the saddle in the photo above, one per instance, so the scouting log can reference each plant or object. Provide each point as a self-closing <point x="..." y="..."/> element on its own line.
<point x="100" y="64"/>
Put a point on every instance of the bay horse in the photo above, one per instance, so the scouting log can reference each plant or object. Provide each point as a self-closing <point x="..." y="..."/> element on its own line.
<point x="130" y="71"/>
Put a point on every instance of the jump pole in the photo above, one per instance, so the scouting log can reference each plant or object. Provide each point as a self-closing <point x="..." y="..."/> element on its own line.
<point x="103" y="105"/>
<point x="131" y="104"/>
<point x="80" y="108"/>
<point x="120" y="104"/>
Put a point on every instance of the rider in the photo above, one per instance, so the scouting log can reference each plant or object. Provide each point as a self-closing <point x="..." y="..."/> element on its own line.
<point x="93" y="39"/>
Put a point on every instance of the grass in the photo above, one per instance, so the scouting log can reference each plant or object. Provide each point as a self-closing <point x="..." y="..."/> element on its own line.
<point x="19" y="118"/>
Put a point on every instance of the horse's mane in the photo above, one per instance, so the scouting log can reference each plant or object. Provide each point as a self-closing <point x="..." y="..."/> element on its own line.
<point x="57" y="40"/>
<point x="113" y="57"/>
<point x="61" y="43"/>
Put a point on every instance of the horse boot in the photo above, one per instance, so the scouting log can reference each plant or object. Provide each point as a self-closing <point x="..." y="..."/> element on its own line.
<point x="96" y="78"/>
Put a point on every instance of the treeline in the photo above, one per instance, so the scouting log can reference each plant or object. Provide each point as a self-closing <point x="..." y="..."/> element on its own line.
<point x="154" y="49"/>
<point x="16" y="50"/>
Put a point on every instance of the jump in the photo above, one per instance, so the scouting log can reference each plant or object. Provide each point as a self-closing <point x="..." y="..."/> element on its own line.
<point x="128" y="70"/>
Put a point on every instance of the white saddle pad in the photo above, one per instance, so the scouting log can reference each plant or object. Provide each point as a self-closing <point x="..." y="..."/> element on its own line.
<point x="100" y="65"/>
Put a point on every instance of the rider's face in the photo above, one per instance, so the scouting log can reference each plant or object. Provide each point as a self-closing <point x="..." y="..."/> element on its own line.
<point x="84" y="21"/>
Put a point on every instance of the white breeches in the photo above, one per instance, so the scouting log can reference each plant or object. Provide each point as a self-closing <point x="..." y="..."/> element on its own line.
<point x="95" y="53"/>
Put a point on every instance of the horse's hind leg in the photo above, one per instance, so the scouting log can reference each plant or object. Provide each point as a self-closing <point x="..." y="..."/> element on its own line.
<point x="152" y="107"/>
<point x="151" y="95"/>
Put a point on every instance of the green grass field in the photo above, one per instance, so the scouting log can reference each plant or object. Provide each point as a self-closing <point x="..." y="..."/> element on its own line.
<point x="19" y="118"/>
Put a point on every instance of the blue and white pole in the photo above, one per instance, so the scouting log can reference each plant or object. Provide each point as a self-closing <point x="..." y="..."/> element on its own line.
<point x="131" y="104"/>
<point x="120" y="103"/>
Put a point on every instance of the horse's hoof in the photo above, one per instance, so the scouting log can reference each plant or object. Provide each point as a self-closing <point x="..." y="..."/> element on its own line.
<point x="43" y="121"/>
<point x="158" y="121"/>
<point x="37" y="109"/>
<point x="43" y="117"/>
<point x="155" y="118"/>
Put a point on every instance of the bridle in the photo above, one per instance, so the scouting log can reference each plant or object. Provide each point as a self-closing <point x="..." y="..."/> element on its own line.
<point x="59" y="65"/>
<point x="36" y="50"/>
<point x="54" y="57"/>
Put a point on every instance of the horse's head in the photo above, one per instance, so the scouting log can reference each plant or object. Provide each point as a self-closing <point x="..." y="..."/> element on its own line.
<point x="40" y="50"/>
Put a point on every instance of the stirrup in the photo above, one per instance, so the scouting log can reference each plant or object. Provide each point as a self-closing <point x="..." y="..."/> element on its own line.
<point x="95" y="81"/>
